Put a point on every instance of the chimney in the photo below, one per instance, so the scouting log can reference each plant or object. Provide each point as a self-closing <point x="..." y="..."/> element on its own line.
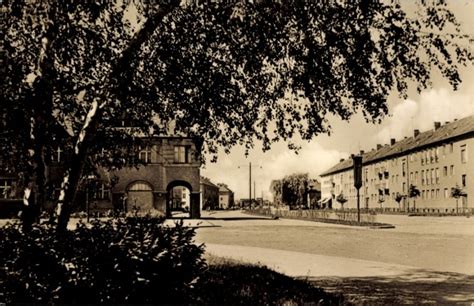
<point x="437" y="125"/>
<point x="416" y="133"/>
<point x="379" y="146"/>
<point x="361" y="152"/>
<point x="352" y="156"/>
<point x="392" y="141"/>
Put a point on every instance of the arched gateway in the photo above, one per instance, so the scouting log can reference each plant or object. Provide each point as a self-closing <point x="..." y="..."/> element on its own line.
<point x="180" y="196"/>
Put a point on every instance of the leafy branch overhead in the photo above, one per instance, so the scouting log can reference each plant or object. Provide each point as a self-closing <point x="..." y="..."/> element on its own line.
<point x="223" y="73"/>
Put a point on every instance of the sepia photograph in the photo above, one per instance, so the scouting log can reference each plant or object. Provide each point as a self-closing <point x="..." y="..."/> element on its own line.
<point x="261" y="152"/>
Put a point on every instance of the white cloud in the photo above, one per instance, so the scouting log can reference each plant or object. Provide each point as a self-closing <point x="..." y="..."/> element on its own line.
<point x="433" y="105"/>
<point x="312" y="158"/>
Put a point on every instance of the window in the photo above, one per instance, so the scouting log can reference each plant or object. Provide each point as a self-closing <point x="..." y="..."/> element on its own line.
<point x="437" y="175"/>
<point x="181" y="156"/>
<point x="451" y="148"/>
<point x="403" y="169"/>
<point x="101" y="192"/>
<point x="403" y="187"/>
<point x="416" y="176"/>
<point x="423" y="194"/>
<point x="432" y="193"/>
<point x="451" y="170"/>
<point x="446" y="193"/>
<point x="422" y="177"/>
<point x="145" y="155"/>
<point x="5" y="188"/>
<point x="436" y="154"/>
<point x="444" y="151"/>
<point x="437" y="193"/>
<point x="432" y="178"/>
<point x="445" y="171"/>
<point x="463" y="180"/>
<point x="463" y="154"/>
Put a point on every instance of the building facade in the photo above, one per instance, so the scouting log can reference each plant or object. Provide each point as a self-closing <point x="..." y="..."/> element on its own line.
<point x="209" y="194"/>
<point x="434" y="162"/>
<point x="170" y="170"/>
<point x="226" y="197"/>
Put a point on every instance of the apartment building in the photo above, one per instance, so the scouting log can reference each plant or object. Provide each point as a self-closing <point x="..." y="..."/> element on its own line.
<point x="434" y="161"/>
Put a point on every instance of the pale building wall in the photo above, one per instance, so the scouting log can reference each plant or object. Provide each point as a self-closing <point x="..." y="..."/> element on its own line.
<point x="430" y="176"/>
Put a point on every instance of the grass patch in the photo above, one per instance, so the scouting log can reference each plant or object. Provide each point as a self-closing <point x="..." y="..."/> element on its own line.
<point x="233" y="282"/>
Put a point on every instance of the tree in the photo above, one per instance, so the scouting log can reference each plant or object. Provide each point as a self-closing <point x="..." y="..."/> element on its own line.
<point x="457" y="192"/>
<point x="399" y="197"/>
<point x="223" y="73"/>
<point x="413" y="192"/>
<point x="293" y="189"/>
<point x="341" y="199"/>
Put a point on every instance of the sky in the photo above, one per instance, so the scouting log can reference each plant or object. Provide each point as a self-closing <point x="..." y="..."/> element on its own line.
<point x="418" y="111"/>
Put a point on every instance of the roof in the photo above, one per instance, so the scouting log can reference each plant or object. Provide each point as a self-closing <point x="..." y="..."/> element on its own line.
<point x="206" y="181"/>
<point x="224" y="188"/>
<point x="462" y="127"/>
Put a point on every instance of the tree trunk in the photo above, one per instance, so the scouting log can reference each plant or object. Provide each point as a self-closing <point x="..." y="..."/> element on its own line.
<point x="118" y="75"/>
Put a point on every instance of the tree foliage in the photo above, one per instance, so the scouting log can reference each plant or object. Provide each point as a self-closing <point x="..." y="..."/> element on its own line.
<point x="223" y="73"/>
<point x="414" y="192"/>
<point x="292" y="189"/>
<point x="457" y="192"/>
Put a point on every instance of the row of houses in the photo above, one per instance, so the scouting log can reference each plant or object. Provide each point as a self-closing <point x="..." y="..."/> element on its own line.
<point x="434" y="161"/>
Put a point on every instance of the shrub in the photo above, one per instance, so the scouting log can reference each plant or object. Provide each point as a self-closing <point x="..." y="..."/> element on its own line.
<point x="133" y="260"/>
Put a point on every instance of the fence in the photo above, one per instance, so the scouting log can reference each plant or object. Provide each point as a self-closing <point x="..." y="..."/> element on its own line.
<point x="348" y="216"/>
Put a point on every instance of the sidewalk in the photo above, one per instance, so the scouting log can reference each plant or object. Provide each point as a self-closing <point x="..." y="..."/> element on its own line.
<point x="361" y="281"/>
<point x="297" y="264"/>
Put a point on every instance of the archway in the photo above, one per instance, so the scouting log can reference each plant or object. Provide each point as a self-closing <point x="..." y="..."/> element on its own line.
<point x="140" y="196"/>
<point x="180" y="200"/>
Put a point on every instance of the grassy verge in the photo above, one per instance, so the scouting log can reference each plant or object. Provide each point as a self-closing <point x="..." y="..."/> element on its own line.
<point x="233" y="282"/>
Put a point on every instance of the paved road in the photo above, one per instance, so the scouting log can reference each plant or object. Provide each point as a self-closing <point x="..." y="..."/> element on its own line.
<point x="414" y="242"/>
<point x="421" y="260"/>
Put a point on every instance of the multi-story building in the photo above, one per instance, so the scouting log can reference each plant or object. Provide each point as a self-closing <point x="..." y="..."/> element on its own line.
<point x="434" y="161"/>
<point x="209" y="194"/>
<point x="171" y="164"/>
<point x="226" y="197"/>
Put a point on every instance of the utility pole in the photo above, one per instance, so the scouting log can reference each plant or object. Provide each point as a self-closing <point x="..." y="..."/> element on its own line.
<point x="250" y="180"/>
<point x="250" y="183"/>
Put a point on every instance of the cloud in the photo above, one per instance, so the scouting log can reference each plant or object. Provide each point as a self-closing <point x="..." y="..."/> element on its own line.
<point x="275" y="164"/>
<point x="433" y="105"/>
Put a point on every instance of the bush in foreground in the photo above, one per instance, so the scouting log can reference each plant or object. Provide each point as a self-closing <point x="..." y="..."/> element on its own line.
<point x="135" y="260"/>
